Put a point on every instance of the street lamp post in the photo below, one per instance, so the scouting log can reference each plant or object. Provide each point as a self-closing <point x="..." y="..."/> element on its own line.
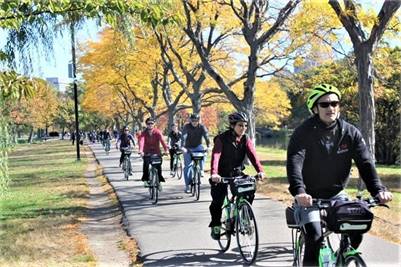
<point x="77" y="135"/>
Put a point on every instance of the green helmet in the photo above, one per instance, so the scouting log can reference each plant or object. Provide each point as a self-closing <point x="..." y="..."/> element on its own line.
<point x="318" y="91"/>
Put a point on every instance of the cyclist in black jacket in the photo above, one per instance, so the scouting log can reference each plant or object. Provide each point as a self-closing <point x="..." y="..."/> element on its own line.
<point x="319" y="159"/>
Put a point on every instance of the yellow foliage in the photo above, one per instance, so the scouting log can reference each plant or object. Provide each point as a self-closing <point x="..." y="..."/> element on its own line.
<point x="271" y="104"/>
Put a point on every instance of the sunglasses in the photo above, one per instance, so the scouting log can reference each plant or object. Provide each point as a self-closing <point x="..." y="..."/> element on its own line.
<point x="327" y="104"/>
<point x="149" y="123"/>
<point x="242" y="125"/>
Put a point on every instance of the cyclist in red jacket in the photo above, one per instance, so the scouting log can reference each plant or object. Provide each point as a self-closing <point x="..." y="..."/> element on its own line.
<point x="149" y="144"/>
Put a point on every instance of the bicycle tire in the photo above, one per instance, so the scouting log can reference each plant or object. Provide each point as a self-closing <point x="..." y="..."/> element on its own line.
<point x="354" y="260"/>
<point x="155" y="186"/>
<point x="247" y="232"/>
<point x="126" y="168"/>
<point x="195" y="171"/>
<point x="151" y="189"/>
<point x="226" y="230"/>
<point x="299" y="249"/>
<point x="178" y="168"/>
<point x="197" y="185"/>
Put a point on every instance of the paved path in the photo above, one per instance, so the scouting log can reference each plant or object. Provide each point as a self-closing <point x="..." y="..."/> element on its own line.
<point x="174" y="232"/>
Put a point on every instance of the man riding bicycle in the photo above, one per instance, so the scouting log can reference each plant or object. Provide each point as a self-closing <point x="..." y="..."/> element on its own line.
<point x="149" y="144"/>
<point x="173" y="141"/>
<point x="126" y="141"/>
<point x="228" y="155"/>
<point x="319" y="159"/>
<point x="192" y="134"/>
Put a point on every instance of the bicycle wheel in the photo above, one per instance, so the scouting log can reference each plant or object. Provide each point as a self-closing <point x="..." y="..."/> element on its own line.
<point x="247" y="232"/>
<point x="299" y="247"/>
<point x="178" y="168"/>
<point x="155" y="186"/>
<point x="126" y="167"/>
<point x="354" y="261"/>
<point x="197" y="184"/>
<point x="226" y="230"/>
<point x="151" y="188"/>
<point x="194" y="171"/>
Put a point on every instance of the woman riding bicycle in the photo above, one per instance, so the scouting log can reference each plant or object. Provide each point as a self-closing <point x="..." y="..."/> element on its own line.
<point x="173" y="141"/>
<point x="319" y="159"/>
<point x="149" y="144"/>
<point x="125" y="141"/>
<point x="228" y="155"/>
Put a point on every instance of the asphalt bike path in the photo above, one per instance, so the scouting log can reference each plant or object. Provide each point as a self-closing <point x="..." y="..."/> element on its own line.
<point x="175" y="231"/>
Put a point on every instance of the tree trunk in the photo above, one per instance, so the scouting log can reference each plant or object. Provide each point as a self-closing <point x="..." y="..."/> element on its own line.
<point x="367" y="111"/>
<point x="30" y="137"/>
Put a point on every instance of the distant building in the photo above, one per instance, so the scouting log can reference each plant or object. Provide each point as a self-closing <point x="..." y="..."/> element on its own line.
<point x="54" y="81"/>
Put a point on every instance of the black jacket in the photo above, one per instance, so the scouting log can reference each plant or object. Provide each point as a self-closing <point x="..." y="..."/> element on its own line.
<point x="311" y="169"/>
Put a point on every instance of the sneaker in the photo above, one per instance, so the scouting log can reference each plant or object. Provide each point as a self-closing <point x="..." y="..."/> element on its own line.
<point x="161" y="179"/>
<point x="187" y="190"/>
<point x="215" y="234"/>
<point x="146" y="183"/>
<point x="172" y="174"/>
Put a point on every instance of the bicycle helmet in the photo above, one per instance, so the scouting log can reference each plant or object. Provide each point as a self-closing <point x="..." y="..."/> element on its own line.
<point x="235" y="117"/>
<point x="318" y="91"/>
<point x="149" y="120"/>
<point x="194" y="116"/>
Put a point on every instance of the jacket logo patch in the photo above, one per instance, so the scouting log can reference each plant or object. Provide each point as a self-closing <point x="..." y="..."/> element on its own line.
<point x="342" y="149"/>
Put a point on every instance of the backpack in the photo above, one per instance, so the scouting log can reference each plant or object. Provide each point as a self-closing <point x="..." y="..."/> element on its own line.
<point x="345" y="216"/>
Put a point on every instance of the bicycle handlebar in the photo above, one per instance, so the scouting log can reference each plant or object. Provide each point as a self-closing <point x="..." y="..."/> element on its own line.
<point x="322" y="203"/>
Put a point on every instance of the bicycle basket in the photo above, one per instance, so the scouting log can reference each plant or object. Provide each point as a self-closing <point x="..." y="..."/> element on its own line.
<point x="197" y="155"/>
<point x="349" y="217"/>
<point x="243" y="187"/>
<point x="155" y="160"/>
<point x="290" y="217"/>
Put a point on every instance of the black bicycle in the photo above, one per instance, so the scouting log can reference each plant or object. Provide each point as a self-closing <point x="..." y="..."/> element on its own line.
<point x="177" y="164"/>
<point x="238" y="218"/>
<point x="127" y="168"/>
<point x="154" y="179"/>
<point x="196" y="157"/>
<point x="335" y="221"/>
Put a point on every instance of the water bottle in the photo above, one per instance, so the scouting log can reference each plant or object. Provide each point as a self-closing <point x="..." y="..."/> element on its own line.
<point x="326" y="257"/>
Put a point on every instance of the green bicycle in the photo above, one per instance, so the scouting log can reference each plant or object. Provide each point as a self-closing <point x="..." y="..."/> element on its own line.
<point x="238" y="218"/>
<point x="345" y="255"/>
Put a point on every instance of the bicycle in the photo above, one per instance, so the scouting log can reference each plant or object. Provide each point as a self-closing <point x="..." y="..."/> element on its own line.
<point x="154" y="182"/>
<point x="238" y="218"/>
<point x="127" y="168"/>
<point x="177" y="164"/>
<point x="107" y="146"/>
<point x="345" y="255"/>
<point x="196" y="157"/>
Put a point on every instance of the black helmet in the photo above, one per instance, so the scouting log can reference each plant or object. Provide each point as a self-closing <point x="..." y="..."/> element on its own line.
<point x="235" y="117"/>
<point x="194" y="116"/>
<point x="149" y="120"/>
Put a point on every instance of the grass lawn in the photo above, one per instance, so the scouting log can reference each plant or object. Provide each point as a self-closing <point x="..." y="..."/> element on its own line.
<point x="39" y="216"/>
<point x="387" y="224"/>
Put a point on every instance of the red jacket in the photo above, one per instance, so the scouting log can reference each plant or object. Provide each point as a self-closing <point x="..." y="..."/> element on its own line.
<point x="150" y="143"/>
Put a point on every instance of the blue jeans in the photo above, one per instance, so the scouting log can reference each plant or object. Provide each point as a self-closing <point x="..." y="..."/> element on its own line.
<point x="188" y="163"/>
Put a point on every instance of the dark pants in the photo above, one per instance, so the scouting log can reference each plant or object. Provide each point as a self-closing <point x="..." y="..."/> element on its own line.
<point x="122" y="156"/>
<point x="218" y="193"/>
<point x="172" y="153"/>
<point x="313" y="239"/>
<point x="145" y="174"/>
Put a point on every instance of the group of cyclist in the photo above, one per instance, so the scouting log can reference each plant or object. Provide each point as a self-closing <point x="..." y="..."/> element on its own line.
<point x="319" y="159"/>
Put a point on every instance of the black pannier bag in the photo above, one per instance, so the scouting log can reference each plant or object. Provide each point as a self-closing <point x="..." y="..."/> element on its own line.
<point x="345" y="216"/>
<point x="290" y="217"/>
<point x="243" y="187"/>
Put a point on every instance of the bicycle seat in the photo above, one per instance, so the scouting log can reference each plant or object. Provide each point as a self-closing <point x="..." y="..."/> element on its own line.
<point x="197" y="155"/>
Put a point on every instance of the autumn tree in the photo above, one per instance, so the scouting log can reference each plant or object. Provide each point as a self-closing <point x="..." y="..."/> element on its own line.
<point x="257" y="29"/>
<point x="364" y="46"/>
